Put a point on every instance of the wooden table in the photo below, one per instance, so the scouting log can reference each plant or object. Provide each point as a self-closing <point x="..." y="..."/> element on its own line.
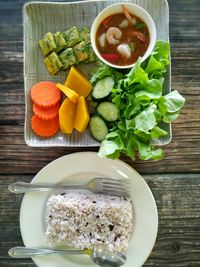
<point x="174" y="181"/>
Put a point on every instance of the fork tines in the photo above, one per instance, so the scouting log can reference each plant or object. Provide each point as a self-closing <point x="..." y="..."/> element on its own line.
<point x="118" y="187"/>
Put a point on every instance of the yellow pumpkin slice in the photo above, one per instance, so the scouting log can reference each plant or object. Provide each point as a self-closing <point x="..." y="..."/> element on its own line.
<point x="78" y="82"/>
<point x="66" y="116"/>
<point x="71" y="94"/>
<point x="82" y="115"/>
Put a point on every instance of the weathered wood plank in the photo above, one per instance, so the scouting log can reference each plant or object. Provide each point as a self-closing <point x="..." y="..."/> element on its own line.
<point x="181" y="155"/>
<point x="17" y="263"/>
<point x="177" y="196"/>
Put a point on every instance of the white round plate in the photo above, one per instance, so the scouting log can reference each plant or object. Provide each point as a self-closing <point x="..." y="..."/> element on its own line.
<point x="79" y="168"/>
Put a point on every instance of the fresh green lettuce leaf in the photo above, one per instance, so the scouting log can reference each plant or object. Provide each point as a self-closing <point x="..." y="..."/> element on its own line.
<point x="109" y="149"/>
<point x="142" y="107"/>
<point x="153" y="65"/>
<point x="158" y="60"/>
<point x="112" y="146"/>
<point x="144" y="121"/>
<point x="169" y="117"/>
<point x="147" y="152"/>
<point x="103" y="71"/>
<point x="152" y="89"/>
<point x="157" y="132"/>
<point x="172" y="102"/>
<point x="136" y="75"/>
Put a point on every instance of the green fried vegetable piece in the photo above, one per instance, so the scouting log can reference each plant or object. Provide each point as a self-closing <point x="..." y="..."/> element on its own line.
<point x="72" y="36"/>
<point x="63" y="49"/>
<point x="50" y="66"/>
<point x="67" y="57"/>
<point x="49" y="42"/>
<point x="55" y="61"/>
<point x="44" y="48"/>
<point x="60" y="41"/>
<point x="85" y="35"/>
<point x="81" y="51"/>
<point x="91" y="55"/>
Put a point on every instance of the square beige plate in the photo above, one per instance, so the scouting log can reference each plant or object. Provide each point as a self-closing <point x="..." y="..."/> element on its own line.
<point x="42" y="17"/>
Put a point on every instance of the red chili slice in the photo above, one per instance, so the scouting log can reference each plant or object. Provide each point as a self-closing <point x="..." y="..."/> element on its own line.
<point x="110" y="57"/>
<point x="106" y="21"/>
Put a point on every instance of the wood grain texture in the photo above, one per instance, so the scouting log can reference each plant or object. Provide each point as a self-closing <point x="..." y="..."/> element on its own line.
<point x="177" y="193"/>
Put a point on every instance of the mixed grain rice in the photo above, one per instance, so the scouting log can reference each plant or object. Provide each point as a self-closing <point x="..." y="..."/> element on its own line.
<point x="82" y="220"/>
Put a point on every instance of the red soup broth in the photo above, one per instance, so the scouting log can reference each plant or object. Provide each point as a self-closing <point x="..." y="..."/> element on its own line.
<point x="135" y="35"/>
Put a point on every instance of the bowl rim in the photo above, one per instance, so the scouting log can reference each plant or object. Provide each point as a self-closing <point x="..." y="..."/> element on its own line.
<point x="99" y="18"/>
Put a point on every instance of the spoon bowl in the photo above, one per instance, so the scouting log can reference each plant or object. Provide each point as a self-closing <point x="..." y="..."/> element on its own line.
<point x="107" y="258"/>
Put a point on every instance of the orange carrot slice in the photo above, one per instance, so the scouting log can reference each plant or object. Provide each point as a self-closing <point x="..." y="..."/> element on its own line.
<point x="44" y="128"/>
<point x="45" y="94"/>
<point x="46" y="113"/>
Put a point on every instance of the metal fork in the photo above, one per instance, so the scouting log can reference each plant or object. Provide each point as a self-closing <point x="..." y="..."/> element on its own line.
<point x="118" y="187"/>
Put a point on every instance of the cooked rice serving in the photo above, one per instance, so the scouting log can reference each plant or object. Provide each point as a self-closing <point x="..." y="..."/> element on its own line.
<point x="83" y="220"/>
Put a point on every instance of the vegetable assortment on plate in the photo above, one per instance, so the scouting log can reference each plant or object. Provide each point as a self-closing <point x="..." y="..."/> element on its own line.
<point x="49" y="116"/>
<point x="131" y="107"/>
<point x="64" y="49"/>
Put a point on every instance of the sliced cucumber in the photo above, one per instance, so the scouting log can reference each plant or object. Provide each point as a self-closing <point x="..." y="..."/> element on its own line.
<point x="108" y="111"/>
<point x="103" y="88"/>
<point x="98" y="128"/>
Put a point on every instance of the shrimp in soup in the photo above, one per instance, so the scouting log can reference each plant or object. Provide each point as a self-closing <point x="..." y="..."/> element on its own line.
<point x="122" y="38"/>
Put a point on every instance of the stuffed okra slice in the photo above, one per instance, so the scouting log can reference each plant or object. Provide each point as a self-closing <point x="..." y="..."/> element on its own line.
<point x="44" y="47"/>
<point x="55" y="64"/>
<point x="91" y="55"/>
<point x="67" y="57"/>
<point x="50" y="66"/>
<point x="81" y="51"/>
<point x="72" y="36"/>
<point x="60" y="41"/>
<point x="47" y="44"/>
<point x="85" y="35"/>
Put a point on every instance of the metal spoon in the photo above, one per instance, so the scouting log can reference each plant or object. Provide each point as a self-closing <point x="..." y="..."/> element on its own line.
<point x="102" y="256"/>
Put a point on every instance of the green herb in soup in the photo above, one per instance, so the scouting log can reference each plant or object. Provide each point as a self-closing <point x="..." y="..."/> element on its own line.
<point x="122" y="38"/>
